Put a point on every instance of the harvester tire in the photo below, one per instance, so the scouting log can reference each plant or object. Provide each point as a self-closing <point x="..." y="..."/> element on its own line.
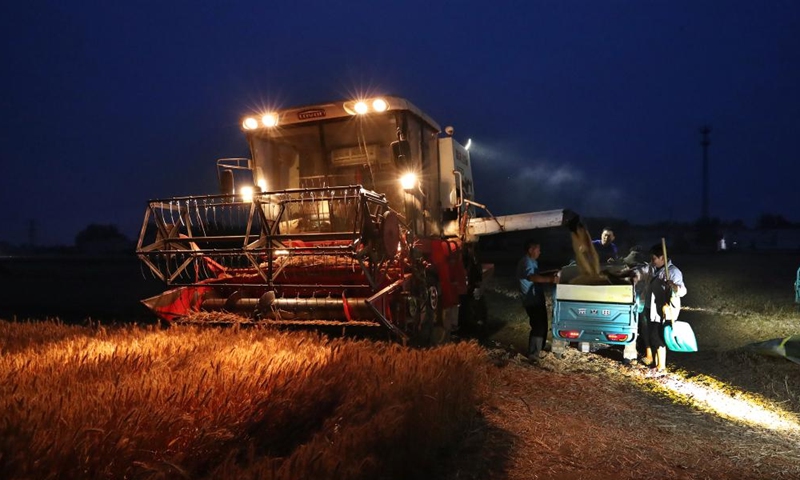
<point x="431" y="328"/>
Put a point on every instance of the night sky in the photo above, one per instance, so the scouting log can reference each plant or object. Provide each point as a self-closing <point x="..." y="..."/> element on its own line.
<point x="589" y="105"/>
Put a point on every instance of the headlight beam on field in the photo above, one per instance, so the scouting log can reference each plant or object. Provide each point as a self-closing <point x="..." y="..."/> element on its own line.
<point x="731" y="403"/>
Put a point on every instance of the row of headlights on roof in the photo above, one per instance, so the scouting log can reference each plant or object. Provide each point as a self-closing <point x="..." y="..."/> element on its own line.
<point x="355" y="107"/>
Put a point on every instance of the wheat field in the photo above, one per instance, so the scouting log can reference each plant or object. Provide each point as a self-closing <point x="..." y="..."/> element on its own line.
<point x="93" y="402"/>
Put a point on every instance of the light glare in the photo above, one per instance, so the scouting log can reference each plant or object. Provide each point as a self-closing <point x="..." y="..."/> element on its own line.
<point x="361" y="108"/>
<point x="408" y="181"/>
<point x="250" y="123"/>
<point x="247" y="194"/>
<point x="379" y="105"/>
<point x="269" y="120"/>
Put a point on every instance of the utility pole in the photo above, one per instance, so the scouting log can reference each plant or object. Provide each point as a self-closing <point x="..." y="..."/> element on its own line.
<point x="705" y="130"/>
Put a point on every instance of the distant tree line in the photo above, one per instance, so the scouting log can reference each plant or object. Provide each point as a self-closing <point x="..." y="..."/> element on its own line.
<point x="102" y="239"/>
<point x="768" y="221"/>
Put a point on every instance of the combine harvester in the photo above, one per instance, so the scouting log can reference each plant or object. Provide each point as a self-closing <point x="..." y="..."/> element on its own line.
<point x="357" y="213"/>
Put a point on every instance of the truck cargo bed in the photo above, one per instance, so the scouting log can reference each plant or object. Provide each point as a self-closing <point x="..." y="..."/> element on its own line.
<point x="595" y="293"/>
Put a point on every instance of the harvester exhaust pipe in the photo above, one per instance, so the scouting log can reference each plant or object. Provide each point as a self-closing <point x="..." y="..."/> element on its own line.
<point x="226" y="186"/>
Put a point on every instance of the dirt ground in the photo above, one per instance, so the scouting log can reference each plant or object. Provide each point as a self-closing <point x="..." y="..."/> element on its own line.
<point x="723" y="412"/>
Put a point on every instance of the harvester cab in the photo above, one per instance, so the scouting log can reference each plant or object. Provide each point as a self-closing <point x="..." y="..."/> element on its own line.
<point x="357" y="213"/>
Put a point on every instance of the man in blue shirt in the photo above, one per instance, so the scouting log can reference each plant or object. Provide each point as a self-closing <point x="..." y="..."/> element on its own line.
<point x="531" y="287"/>
<point x="606" y="249"/>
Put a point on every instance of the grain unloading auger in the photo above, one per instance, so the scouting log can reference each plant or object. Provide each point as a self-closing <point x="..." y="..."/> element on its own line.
<point x="354" y="214"/>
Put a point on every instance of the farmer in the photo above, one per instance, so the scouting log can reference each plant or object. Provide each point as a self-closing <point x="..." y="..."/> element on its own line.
<point x="606" y="249"/>
<point x="531" y="286"/>
<point x="639" y="270"/>
<point x="666" y="289"/>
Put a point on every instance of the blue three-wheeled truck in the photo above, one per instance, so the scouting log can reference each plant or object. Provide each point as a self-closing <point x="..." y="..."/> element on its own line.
<point x="592" y="315"/>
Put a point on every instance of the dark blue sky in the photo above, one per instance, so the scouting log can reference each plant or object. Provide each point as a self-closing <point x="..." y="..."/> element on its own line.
<point x="588" y="105"/>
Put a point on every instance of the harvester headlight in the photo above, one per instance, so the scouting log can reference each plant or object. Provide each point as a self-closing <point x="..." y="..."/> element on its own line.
<point x="364" y="106"/>
<point x="250" y="123"/>
<point x="379" y="105"/>
<point x="270" y="120"/>
<point x="408" y="181"/>
<point x="247" y="194"/>
<point x="361" y="108"/>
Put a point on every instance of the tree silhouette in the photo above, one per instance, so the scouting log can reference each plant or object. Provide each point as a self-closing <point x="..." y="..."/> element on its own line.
<point x="767" y="220"/>
<point x="101" y="238"/>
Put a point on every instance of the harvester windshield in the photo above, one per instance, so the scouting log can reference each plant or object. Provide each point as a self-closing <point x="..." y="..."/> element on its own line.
<point x="344" y="152"/>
